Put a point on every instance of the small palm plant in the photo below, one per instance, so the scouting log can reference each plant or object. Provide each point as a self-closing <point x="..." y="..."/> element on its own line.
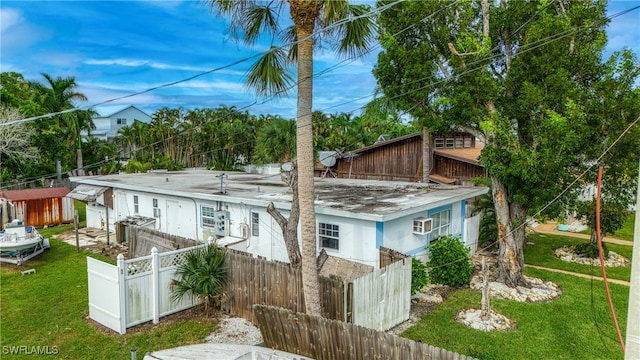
<point x="203" y="275"/>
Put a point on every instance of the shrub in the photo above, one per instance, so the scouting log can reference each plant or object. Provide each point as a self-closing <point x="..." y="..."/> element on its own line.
<point x="449" y="262"/>
<point x="419" y="276"/>
<point x="202" y="275"/>
<point x="590" y="250"/>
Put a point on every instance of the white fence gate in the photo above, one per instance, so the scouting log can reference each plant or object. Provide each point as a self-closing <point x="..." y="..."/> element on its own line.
<point x="134" y="291"/>
<point x="382" y="299"/>
<point x="471" y="232"/>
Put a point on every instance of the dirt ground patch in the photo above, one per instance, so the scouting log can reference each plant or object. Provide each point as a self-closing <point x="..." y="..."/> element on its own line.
<point x="196" y="313"/>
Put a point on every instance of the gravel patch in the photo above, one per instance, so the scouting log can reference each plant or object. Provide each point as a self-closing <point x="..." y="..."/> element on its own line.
<point x="235" y="330"/>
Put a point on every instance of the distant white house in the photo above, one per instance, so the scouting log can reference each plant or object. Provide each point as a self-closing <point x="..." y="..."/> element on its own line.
<point x="354" y="218"/>
<point x="110" y="118"/>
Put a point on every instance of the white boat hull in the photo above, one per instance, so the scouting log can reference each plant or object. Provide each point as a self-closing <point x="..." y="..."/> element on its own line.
<point x="18" y="245"/>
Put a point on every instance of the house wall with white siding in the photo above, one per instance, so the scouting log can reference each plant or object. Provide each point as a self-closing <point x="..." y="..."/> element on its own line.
<point x="177" y="216"/>
<point x="399" y="236"/>
<point x="357" y="239"/>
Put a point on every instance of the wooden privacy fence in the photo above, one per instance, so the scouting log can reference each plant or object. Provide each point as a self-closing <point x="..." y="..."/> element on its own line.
<point x="134" y="291"/>
<point x="138" y="290"/>
<point x="324" y="339"/>
<point x="258" y="281"/>
<point x="382" y="298"/>
<point x="378" y="300"/>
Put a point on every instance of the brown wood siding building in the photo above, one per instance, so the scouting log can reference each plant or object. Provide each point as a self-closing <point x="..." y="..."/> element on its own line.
<point x="401" y="159"/>
<point x="37" y="207"/>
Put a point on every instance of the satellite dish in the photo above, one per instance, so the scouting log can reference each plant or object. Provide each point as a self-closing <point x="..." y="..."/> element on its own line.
<point x="287" y="166"/>
<point x="327" y="158"/>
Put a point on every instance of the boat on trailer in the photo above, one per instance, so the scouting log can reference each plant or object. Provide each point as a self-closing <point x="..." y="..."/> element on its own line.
<point x="19" y="243"/>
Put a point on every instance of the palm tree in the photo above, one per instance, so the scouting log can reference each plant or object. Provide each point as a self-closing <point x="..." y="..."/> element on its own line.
<point x="60" y="95"/>
<point x="276" y="141"/>
<point x="268" y="77"/>
<point x="203" y="275"/>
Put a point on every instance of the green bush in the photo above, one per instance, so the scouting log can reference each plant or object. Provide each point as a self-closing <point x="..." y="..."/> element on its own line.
<point x="449" y="262"/>
<point x="590" y="250"/>
<point x="418" y="275"/>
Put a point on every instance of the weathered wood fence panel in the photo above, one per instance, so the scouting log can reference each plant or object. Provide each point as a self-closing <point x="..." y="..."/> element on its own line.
<point x="325" y="339"/>
<point x="382" y="299"/>
<point x="142" y="240"/>
<point x="258" y="281"/>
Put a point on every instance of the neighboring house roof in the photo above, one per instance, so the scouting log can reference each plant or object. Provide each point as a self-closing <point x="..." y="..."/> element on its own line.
<point x="34" y="194"/>
<point x="110" y="110"/>
<point x="362" y="199"/>
<point x="387" y="142"/>
<point x="468" y="155"/>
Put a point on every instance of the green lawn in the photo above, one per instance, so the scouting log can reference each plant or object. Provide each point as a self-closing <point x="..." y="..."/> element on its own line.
<point x="538" y="248"/>
<point x="49" y="309"/>
<point x="577" y="325"/>
<point x="625" y="232"/>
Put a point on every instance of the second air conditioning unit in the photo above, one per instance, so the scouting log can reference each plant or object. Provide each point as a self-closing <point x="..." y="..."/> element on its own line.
<point x="422" y="225"/>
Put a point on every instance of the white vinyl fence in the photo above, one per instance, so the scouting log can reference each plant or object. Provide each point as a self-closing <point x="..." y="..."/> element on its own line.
<point x="471" y="232"/>
<point x="134" y="291"/>
<point x="382" y="299"/>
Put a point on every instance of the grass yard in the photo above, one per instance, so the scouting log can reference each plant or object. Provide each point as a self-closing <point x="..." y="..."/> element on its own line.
<point x="538" y="248"/>
<point x="625" y="232"/>
<point x="577" y="325"/>
<point x="49" y="309"/>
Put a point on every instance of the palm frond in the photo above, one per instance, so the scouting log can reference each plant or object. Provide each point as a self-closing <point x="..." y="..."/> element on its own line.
<point x="358" y="34"/>
<point x="268" y="76"/>
<point x="257" y="20"/>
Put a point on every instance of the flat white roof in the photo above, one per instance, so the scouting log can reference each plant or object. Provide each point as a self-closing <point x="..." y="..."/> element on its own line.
<point x="365" y="199"/>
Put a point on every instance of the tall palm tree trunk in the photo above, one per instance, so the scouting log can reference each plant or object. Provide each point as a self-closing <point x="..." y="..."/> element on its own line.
<point x="304" y="135"/>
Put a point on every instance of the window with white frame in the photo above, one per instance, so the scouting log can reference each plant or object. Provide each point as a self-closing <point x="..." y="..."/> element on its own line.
<point x="329" y="235"/>
<point x="255" y="224"/>
<point x="207" y="216"/>
<point x="156" y="209"/>
<point x="121" y="121"/>
<point x="440" y="224"/>
<point x="136" y="204"/>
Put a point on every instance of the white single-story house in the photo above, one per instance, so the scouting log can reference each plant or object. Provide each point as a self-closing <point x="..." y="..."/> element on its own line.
<point x="110" y="118"/>
<point x="354" y="218"/>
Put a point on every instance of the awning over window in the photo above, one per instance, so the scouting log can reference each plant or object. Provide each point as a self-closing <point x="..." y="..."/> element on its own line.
<point x="87" y="193"/>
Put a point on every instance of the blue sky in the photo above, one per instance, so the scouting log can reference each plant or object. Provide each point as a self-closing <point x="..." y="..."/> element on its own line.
<point x="116" y="48"/>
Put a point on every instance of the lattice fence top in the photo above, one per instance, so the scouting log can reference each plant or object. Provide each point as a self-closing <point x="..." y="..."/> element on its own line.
<point x="139" y="267"/>
<point x="173" y="259"/>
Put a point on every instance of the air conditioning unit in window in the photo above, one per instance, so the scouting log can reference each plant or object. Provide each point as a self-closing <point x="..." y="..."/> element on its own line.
<point x="421" y="226"/>
<point x="221" y="227"/>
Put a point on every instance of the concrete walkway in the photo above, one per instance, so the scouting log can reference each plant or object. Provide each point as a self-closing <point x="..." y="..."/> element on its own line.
<point x="550" y="228"/>
<point x="613" y="281"/>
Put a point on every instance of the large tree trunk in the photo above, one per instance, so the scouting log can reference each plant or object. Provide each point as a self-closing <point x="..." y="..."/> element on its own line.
<point x="304" y="15"/>
<point x="290" y="227"/>
<point x="511" y="257"/>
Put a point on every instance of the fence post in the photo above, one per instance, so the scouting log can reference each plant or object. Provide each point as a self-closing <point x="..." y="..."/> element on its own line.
<point x="155" y="287"/>
<point x="122" y="293"/>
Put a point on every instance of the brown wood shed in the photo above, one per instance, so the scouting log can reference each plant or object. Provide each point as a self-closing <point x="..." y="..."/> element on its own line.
<point x="451" y="159"/>
<point x="36" y="207"/>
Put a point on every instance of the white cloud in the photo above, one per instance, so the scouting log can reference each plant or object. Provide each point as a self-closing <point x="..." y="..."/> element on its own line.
<point x="158" y="65"/>
<point x="17" y="33"/>
<point x="9" y="18"/>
